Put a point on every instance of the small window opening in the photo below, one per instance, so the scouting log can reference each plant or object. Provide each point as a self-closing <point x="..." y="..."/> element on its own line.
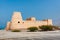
<point x="23" y="22"/>
<point x="18" y="22"/>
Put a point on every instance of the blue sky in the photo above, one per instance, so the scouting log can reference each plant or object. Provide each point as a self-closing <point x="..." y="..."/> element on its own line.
<point x="41" y="9"/>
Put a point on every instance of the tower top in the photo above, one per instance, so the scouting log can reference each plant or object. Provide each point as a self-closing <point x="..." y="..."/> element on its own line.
<point x="17" y="16"/>
<point x="16" y="12"/>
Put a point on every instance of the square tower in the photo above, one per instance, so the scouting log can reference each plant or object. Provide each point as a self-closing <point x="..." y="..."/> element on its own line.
<point x="16" y="20"/>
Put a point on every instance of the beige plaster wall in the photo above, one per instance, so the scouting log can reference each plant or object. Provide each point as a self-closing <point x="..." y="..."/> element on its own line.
<point x="8" y="26"/>
<point x="18" y="23"/>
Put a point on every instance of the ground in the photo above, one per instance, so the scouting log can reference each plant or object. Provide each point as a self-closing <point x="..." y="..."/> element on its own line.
<point x="49" y="35"/>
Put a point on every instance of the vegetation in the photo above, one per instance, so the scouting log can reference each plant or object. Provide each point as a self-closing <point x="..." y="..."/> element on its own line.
<point x="32" y="29"/>
<point x="15" y="30"/>
<point x="56" y="27"/>
<point x="46" y="28"/>
<point x="41" y="28"/>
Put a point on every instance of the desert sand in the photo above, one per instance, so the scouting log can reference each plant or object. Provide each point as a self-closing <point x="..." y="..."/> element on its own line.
<point x="49" y="35"/>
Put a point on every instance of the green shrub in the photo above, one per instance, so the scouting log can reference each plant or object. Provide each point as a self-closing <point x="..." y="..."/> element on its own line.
<point x="56" y="28"/>
<point x="46" y="28"/>
<point x="15" y="30"/>
<point x="32" y="29"/>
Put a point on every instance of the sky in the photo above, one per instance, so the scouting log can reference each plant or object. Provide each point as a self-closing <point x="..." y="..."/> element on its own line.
<point x="40" y="9"/>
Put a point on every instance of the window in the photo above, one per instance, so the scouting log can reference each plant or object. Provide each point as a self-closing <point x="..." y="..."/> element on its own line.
<point x="18" y="22"/>
<point x="23" y="22"/>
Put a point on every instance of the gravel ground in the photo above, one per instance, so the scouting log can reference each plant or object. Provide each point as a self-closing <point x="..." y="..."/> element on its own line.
<point x="49" y="35"/>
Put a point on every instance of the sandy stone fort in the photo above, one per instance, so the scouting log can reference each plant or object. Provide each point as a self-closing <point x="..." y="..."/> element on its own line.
<point x="18" y="23"/>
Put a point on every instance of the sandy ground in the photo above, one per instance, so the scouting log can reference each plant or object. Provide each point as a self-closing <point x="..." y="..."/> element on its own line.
<point x="50" y="35"/>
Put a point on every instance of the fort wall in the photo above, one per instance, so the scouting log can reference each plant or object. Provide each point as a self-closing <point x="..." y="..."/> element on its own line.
<point x="18" y="23"/>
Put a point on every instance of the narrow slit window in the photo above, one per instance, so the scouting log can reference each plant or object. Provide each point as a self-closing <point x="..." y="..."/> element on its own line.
<point x="23" y="22"/>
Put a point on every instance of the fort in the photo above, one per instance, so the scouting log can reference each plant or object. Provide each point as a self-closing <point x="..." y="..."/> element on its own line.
<point x="18" y="23"/>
